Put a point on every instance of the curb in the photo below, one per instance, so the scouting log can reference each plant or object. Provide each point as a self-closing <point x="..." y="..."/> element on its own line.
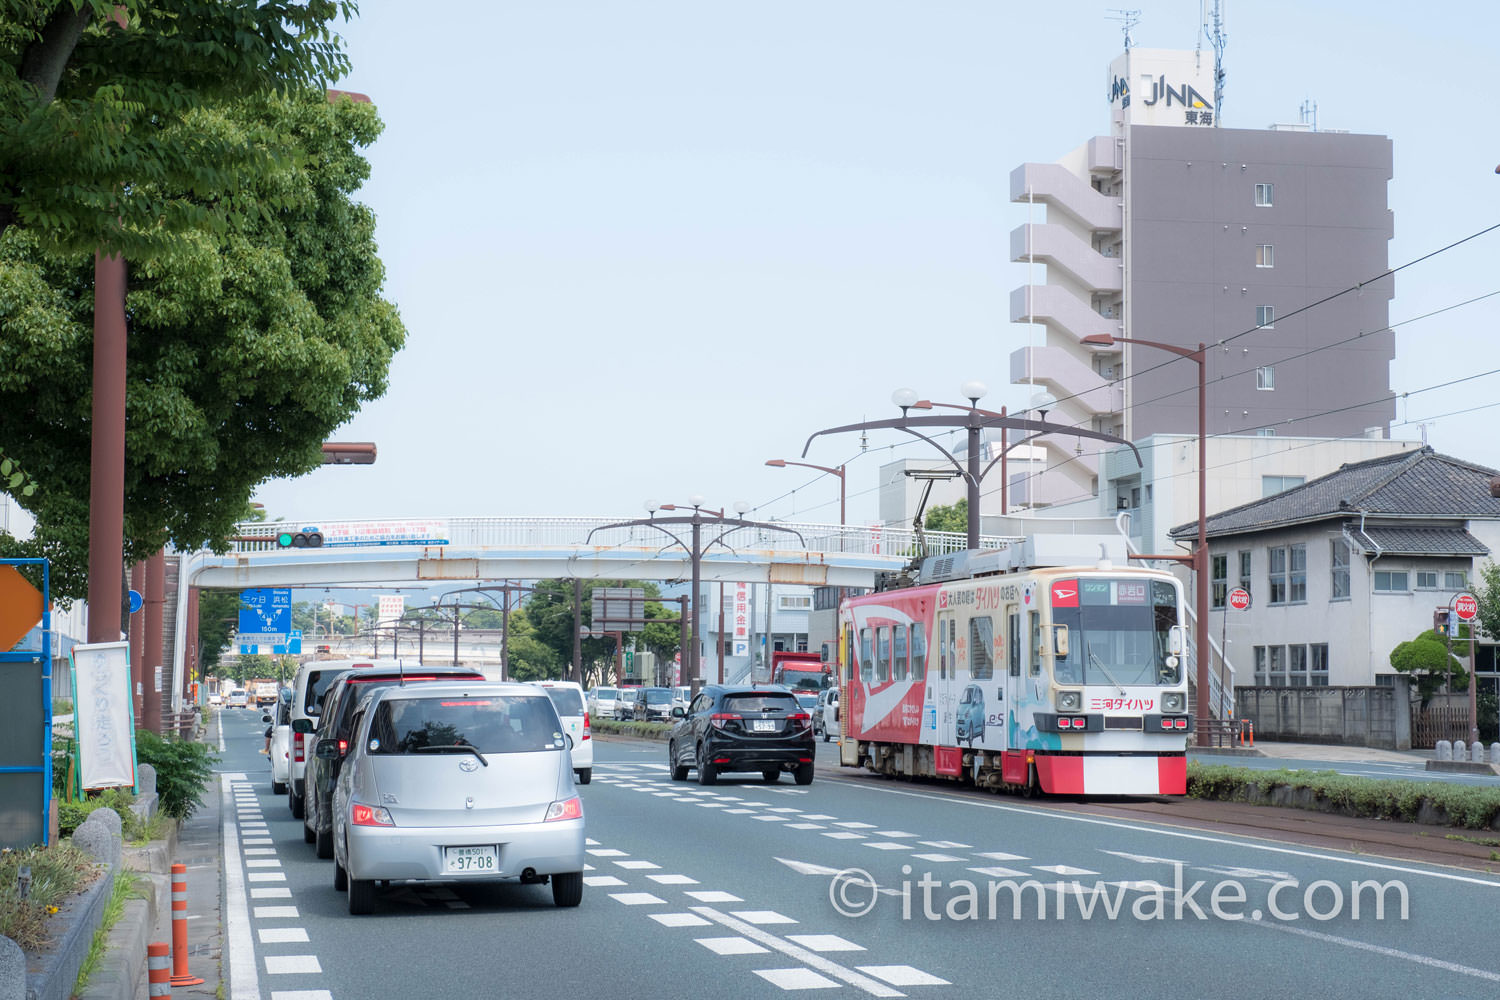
<point x="56" y="972"/>
<point x="1462" y="767"/>
<point x="1227" y="752"/>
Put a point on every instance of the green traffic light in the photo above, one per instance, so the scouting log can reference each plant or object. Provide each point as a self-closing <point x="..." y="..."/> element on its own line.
<point x="284" y="539"/>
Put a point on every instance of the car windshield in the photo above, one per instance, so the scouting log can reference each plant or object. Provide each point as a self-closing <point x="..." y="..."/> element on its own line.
<point x="458" y="724"/>
<point x="566" y="700"/>
<point x="808" y="700"/>
<point x="658" y="696"/>
<point x="760" y="703"/>
<point x="604" y="692"/>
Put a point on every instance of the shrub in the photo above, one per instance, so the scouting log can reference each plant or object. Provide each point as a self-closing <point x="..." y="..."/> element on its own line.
<point x="57" y="872"/>
<point x="182" y="767"/>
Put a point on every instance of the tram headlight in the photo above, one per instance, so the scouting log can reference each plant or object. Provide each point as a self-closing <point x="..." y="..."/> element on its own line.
<point x="1174" y="701"/>
<point x="1069" y="701"/>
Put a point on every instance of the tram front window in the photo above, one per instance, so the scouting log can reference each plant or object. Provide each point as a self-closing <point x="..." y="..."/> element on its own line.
<point x="1120" y="632"/>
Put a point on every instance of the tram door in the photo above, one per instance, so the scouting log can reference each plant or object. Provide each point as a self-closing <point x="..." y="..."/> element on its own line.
<point x="1014" y="672"/>
<point x="848" y="745"/>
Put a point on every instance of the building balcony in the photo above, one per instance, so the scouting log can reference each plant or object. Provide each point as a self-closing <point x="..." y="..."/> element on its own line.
<point x="1062" y="250"/>
<point x="1061" y="190"/>
<point x="1066" y="377"/>
<point x="1058" y="309"/>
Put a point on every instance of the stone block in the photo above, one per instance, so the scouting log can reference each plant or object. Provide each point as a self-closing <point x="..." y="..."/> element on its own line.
<point x="145" y="779"/>
<point x="12" y="970"/>
<point x="94" y="837"/>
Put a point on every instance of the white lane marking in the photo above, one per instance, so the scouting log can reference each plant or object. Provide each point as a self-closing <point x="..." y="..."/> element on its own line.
<point x="602" y="881"/>
<point x="282" y="935"/>
<point x="807" y="867"/>
<point x="244" y="982"/>
<point x="843" y="835"/>
<point x="903" y="975"/>
<point x="679" y="920"/>
<point x="809" y="958"/>
<point x="262" y="863"/>
<point x="890" y="845"/>
<point x="636" y="865"/>
<point x="266" y="877"/>
<point x="607" y="852"/>
<point x="945" y="845"/>
<point x="997" y="872"/>
<point x="1046" y="813"/>
<point x="301" y="995"/>
<point x="705" y="896"/>
<point x="275" y="912"/>
<point x="796" y="979"/>
<point x="784" y="809"/>
<point x="731" y="946"/>
<point x="1002" y="856"/>
<point x="270" y="894"/>
<point x="590" y="842"/>
<point x="818" y="816"/>
<point x="770" y="819"/>
<point x="824" y="942"/>
<point x="672" y="879"/>
<point x="247" y="841"/>
<point x="636" y="898"/>
<point x="1061" y="869"/>
<point x="763" y="917"/>
<point x="856" y="825"/>
<point x="1405" y="956"/>
<point x="939" y="857"/>
<point x="282" y="965"/>
<point x="804" y="826"/>
<point x="893" y="834"/>
<point x="258" y="850"/>
<point x="1144" y="859"/>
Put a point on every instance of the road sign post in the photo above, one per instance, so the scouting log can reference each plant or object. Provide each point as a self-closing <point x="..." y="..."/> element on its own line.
<point x="1239" y="600"/>
<point x="1465" y="609"/>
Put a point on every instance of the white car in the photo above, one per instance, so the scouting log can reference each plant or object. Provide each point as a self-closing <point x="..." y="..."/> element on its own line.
<point x="826" y="716"/>
<point x="279" y="718"/>
<point x="602" y="703"/>
<point x="238" y="698"/>
<point x="681" y="696"/>
<point x="567" y="698"/>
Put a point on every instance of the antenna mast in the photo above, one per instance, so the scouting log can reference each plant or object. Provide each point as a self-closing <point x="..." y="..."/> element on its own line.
<point x="1213" y="27"/>
<point x="1128" y="20"/>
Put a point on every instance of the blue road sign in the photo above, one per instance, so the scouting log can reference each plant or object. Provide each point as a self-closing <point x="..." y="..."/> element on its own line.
<point x="292" y="646"/>
<point x="266" y="610"/>
<point x="136" y="601"/>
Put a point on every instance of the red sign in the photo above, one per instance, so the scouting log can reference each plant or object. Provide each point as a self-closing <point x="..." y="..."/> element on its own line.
<point x="1065" y="594"/>
<point x="1466" y="607"/>
<point x="1239" y="598"/>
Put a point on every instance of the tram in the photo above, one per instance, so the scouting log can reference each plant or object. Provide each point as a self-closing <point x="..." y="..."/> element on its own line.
<point x="991" y="669"/>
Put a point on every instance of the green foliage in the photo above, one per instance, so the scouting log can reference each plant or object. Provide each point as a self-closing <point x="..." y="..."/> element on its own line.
<point x="549" y="613"/>
<point x="57" y="872"/>
<point x="125" y="887"/>
<point x="954" y="517"/>
<point x="641" y="729"/>
<point x="1487" y="594"/>
<point x="183" y="767"/>
<point x="1474" y="807"/>
<point x="218" y="614"/>
<point x="1426" y="658"/>
<point x="249" y="344"/>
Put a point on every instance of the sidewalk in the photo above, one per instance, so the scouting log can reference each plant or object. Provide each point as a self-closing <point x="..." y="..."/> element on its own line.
<point x="1324" y="751"/>
<point x="199" y="847"/>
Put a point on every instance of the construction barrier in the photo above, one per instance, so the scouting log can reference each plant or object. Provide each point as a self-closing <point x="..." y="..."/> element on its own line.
<point x="180" y="974"/>
<point x="1247" y="733"/>
<point x="156" y="969"/>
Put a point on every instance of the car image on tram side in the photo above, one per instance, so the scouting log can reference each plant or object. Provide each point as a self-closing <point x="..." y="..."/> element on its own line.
<point x="1058" y="679"/>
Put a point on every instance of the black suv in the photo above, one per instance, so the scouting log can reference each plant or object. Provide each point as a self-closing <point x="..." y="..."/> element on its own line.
<point x="740" y="728"/>
<point x="655" y="705"/>
<point x="336" y="723"/>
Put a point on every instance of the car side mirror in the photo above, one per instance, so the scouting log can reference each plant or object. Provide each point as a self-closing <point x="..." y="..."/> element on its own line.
<point x="1060" y="640"/>
<point x="1174" y="640"/>
<point x="266" y="717"/>
<point x="303" y="726"/>
<point x="677" y="712"/>
<point x="326" y="749"/>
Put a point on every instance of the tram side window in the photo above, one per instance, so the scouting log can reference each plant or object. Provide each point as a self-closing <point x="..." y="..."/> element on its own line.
<point x="981" y="647"/>
<point x="953" y="663"/>
<point x="1013" y="643"/>
<point x="866" y="655"/>
<point x="919" y="651"/>
<point x="1036" y="644"/>
<point x="900" y="668"/>
<point x="942" y="651"/>
<point x="882" y="654"/>
<point x="848" y="654"/>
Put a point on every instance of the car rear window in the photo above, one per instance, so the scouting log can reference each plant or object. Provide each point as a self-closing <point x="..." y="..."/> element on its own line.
<point x="491" y="723"/>
<point x="658" y="696"/>
<point x="566" y="700"/>
<point x="318" y="683"/>
<point x="760" y="703"/>
<point x="606" y="692"/>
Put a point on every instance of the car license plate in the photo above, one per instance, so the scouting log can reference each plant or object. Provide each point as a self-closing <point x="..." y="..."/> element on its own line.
<point x="763" y="726"/>
<point x="469" y="859"/>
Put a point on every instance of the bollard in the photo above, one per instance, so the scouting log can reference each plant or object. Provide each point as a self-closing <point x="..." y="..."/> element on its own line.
<point x="1443" y="750"/>
<point x="1460" y="750"/>
<point x="1495" y="753"/>
<point x="156" y="970"/>
<point x="1476" y="753"/>
<point x="1251" y="724"/>
<point x="180" y="974"/>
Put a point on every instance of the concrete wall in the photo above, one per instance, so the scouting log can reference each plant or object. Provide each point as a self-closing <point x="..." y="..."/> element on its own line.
<point x="1352" y="716"/>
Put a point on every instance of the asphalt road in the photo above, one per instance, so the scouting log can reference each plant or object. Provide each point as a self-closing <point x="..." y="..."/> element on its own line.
<point x="735" y="891"/>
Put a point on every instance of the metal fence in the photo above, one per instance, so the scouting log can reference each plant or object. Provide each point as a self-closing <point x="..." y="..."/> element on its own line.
<point x="1438" y="722"/>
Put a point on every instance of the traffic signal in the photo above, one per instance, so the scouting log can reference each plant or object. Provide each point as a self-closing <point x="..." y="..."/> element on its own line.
<point x="312" y="539"/>
<point x="1440" y="620"/>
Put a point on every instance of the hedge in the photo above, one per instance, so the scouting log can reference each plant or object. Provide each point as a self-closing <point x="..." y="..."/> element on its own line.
<point x="645" y="730"/>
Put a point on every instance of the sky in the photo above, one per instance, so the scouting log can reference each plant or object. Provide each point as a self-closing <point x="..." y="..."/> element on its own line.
<point x="642" y="247"/>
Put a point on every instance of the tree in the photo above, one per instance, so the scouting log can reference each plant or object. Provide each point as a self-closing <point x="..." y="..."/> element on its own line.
<point x="1487" y="594"/>
<point x="530" y="659"/>
<point x="954" y="517"/>
<point x="218" y="615"/>
<point x="92" y="94"/>
<point x="1427" y="660"/>
<point x="248" y="348"/>
<point x="550" y="609"/>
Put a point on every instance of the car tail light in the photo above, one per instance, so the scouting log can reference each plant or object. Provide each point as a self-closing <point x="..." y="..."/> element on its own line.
<point x="799" y="720"/>
<point x="343" y="747"/>
<point x="298" y="750"/>
<point x="719" y="718"/>
<point x="363" y="815"/>
<point x="586" y="725"/>
<point x="565" y="809"/>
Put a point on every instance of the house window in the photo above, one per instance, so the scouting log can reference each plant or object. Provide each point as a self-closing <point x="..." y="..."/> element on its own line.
<point x="1340" y="562"/>
<point x="1272" y="485"/>
<point x="1263" y="195"/>
<point x="1456" y="581"/>
<point x="1427" y="580"/>
<point x="1278" y="666"/>
<point x="1218" y="575"/>
<point x="1297" y="665"/>
<point x="1317" y="656"/>
<point x="794" y="602"/>
<point x="1244" y="555"/>
<point x="1265" y="432"/>
<point x="1260" y="666"/>
<point x="1288" y="574"/>
<point x="1391" y="582"/>
<point x="1265" y="255"/>
<point x="1265" y="316"/>
<point x="1265" y="378"/>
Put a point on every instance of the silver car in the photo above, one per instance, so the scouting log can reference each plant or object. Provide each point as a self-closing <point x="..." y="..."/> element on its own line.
<point x="458" y="782"/>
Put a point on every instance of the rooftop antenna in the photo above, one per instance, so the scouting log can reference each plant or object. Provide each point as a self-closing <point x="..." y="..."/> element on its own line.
<point x="1128" y="20"/>
<point x="1213" y="28"/>
<point x="1309" y="112"/>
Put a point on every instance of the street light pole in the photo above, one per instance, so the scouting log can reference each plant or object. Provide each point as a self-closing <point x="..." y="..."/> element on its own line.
<point x="781" y="463"/>
<point x="1199" y="559"/>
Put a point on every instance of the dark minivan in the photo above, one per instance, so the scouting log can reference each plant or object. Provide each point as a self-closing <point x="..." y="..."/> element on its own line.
<point x="336" y="723"/>
<point x="741" y="728"/>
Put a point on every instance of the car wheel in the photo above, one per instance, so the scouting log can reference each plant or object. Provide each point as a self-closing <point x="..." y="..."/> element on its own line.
<point x="707" y="774"/>
<point x="340" y="876"/>
<point x="567" y="888"/>
<point x="585" y="775"/>
<point x="325" y="844"/>
<point x="308" y="836"/>
<point x="278" y="787"/>
<point x="679" y="770"/>
<point x="771" y="775"/>
<point x="827" y="736"/>
<point x="361" y="896"/>
<point x="803" y="774"/>
<point x="294" y="802"/>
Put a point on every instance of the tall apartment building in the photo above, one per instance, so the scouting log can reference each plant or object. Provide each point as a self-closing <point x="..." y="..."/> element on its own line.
<point x="1172" y="229"/>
